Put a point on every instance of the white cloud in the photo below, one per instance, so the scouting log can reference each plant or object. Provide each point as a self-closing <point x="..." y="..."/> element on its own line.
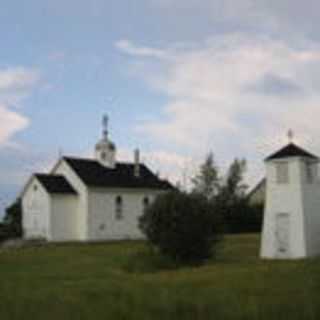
<point x="234" y="93"/>
<point x="16" y="83"/>
<point x="128" y="47"/>
<point x="17" y="78"/>
<point x="11" y="122"/>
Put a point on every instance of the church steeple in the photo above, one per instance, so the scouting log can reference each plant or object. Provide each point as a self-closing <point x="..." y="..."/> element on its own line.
<point x="105" y="150"/>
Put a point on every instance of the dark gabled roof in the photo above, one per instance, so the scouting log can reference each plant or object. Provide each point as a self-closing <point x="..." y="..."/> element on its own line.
<point x="93" y="174"/>
<point x="259" y="185"/>
<point x="291" y="150"/>
<point x="55" y="184"/>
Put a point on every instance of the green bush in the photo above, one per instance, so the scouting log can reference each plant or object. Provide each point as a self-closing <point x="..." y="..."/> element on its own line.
<point x="239" y="216"/>
<point x="183" y="227"/>
<point x="12" y="223"/>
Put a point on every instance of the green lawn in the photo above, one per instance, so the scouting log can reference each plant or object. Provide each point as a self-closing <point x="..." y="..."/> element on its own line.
<point x="126" y="281"/>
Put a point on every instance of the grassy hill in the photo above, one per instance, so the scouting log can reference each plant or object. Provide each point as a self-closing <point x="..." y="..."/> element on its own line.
<point x="127" y="281"/>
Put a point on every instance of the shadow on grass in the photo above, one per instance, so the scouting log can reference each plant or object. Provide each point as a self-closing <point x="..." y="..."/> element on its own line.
<point x="149" y="260"/>
<point x="230" y="250"/>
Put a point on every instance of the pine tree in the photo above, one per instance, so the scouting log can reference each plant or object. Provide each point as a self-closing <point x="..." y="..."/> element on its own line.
<point x="235" y="186"/>
<point x="207" y="181"/>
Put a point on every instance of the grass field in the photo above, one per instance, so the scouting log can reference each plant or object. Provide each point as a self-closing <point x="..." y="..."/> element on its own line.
<point x="127" y="281"/>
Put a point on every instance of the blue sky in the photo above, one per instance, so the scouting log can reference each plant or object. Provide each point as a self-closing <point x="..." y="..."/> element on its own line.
<point x="177" y="79"/>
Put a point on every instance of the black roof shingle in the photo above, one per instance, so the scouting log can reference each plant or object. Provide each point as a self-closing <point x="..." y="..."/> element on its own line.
<point x="55" y="184"/>
<point x="291" y="150"/>
<point x="93" y="174"/>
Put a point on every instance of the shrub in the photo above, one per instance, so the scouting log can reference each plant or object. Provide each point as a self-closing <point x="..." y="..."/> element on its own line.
<point x="182" y="227"/>
<point x="239" y="216"/>
<point x="12" y="223"/>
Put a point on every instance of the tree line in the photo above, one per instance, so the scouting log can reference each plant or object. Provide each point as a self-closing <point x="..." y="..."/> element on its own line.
<point x="227" y="194"/>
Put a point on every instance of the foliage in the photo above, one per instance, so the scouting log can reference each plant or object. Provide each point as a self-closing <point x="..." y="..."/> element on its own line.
<point x="233" y="189"/>
<point x="206" y="182"/>
<point x="232" y="202"/>
<point x="235" y="185"/>
<point x="229" y="197"/>
<point x="13" y="221"/>
<point x="240" y="217"/>
<point x="90" y="281"/>
<point x="181" y="226"/>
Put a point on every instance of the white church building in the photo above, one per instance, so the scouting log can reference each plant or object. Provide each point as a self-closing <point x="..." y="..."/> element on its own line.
<point x="291" y="226"/>
<point x="90" y="199"/>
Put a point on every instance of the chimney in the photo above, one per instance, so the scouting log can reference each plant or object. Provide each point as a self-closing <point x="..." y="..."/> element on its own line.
<point x="137" y="163"/>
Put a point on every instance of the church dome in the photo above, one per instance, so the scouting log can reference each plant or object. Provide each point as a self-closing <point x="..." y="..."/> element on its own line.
<point x="105" y="149"/>
<point x="105" y="144"/>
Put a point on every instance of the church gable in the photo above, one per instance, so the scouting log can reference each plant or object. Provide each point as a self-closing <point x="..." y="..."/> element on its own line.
<point x="55" y="184"/>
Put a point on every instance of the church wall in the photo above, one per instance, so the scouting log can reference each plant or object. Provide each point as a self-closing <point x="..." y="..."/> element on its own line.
<point x="35" y="211"/>
<point x="284" y="199"/>
<point x="63" y="216"/>
<point x="82" y="203"/>
<point x="103" y="224"/>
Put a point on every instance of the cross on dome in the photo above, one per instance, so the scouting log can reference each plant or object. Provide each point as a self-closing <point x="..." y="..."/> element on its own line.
<point x="105" y="123"/>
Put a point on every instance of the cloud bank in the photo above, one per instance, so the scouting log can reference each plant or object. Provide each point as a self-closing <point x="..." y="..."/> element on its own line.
<point x="16" y="83"/>
<point x="234" y="94"/>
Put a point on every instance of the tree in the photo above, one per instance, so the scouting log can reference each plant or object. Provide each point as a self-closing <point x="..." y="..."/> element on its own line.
<point x="233" y="188"/>
<point x="228" y="195"/>
<point x="13" y="220"/>
<point x="206" y="183"/>
<point x="235" y="179"/>
<point x="182" y="226"/>
<point x="232" y="202"/>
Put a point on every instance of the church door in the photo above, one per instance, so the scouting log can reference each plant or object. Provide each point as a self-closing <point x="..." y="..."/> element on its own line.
<point x="282" y="235"/>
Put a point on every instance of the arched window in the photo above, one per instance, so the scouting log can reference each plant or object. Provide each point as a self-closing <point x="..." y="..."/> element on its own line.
<point x="119" y="208"/>
<point x="145" y="203"/>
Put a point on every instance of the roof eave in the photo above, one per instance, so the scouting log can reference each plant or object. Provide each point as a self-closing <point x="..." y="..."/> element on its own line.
<point x="279" y="159"/>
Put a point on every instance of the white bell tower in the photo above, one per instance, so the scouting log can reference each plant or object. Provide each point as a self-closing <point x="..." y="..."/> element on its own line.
<point x="291" y="226"/>
<point x="105" y="150"/>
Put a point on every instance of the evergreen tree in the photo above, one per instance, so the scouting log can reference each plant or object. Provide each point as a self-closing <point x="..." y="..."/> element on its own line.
<point x="235" y="186"/>
<point x="13" y="219"/>
<point x="232" y="202"/>
<point x="207" y="181"/>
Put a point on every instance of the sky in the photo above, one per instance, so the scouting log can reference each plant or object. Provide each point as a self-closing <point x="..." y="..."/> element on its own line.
<point x="177" y="78"/>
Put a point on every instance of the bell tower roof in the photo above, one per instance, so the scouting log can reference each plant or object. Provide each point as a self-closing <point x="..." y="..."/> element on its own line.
<point x="291" y="150"/>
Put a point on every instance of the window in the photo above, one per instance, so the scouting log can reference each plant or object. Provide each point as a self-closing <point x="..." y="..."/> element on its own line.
<point x="282" y="169"/>
<point x="145" y="203"/>
<point x="310" y="172"/>
<point x="35" y="188"/>
<point x="119" y="208"/>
